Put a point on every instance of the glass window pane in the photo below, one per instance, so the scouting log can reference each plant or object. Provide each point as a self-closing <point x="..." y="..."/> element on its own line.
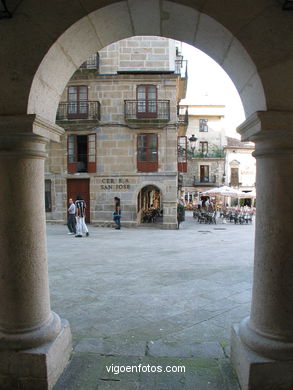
<point x="141" y="106"/>
<point x="82" y="93"/>
<point x="71" y="148"/>
<point x="152" y="106"/>
<point x="141" y="92"/>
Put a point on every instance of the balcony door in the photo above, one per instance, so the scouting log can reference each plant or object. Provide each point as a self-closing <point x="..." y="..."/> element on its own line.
<point x="78" y="102"/>
<point x="204" y="173"/>
<point x="147" y="101"/>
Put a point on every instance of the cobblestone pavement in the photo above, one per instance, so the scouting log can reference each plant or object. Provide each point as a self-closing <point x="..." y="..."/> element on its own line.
<point x="151" y="296"/>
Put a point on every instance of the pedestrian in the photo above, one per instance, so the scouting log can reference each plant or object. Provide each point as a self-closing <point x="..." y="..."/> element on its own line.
<point x="207" y="204"/>
<point x="80" y="207"/>
<point x="117" y="213"/>
<point x="199" y="204"/>
<point x="71" y="220"/>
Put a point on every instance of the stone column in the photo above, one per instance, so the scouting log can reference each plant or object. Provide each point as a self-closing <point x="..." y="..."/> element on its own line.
<point x="262" y="346"/>
<point x="27" y="324"/>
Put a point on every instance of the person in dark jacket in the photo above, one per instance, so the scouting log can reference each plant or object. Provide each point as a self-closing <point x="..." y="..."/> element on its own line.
<point x="117" y="213"/>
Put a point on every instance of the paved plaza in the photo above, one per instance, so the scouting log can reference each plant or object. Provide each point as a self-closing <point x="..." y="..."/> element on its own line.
<point x="151" y="296"/>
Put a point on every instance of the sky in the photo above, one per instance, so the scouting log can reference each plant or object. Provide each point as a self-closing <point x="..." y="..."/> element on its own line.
<point x="208" y="83"/>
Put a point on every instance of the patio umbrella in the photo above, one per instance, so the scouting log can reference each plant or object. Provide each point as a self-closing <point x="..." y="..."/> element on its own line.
<point x="223" y="191"/>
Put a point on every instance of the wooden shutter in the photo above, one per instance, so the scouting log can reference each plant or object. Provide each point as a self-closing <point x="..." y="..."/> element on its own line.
<point x="182" y="154"/>
<point x="91" y="155"/>
<point x="71" y="154"/>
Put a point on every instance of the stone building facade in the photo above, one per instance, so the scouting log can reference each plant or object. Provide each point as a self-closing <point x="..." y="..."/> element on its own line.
<point x="240" y="166"/>
<point x="119" y="111"/>
<point x="214" y="159"/>
<point x="205" y="141"/>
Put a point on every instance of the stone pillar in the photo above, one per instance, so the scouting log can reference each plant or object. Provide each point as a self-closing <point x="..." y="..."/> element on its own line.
<point x="34" y="343"/>
<point x="262" y="346"/>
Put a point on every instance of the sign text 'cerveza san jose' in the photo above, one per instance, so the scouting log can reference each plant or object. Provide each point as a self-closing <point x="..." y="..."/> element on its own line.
<point x="115" y="183"/>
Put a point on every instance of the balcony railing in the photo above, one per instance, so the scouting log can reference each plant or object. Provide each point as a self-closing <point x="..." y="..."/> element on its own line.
<point x="181" y="68"/>
<point x="183" y="117"/>
<point x="213" y="154"/>
<point x="205" y="180"/>
<point x="147" y="110"/>
<point x="88" y="110"/>
<point x="92" y="62"/>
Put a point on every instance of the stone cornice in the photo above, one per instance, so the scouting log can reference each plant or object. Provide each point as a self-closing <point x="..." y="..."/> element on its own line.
<point x="31" y="124"/>
<point x="271" y="131"/>
<point x="264" y="124"/>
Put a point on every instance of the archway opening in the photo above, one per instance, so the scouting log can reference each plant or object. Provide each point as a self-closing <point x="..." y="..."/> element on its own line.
<point x="149" y="205"/>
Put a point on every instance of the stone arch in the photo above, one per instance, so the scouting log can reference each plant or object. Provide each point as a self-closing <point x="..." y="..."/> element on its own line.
<point x="124" y="19"/>
<point x="146" y="184"/>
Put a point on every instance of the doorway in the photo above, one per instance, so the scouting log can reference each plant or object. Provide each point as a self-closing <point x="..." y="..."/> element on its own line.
<point x="80" y="187"/>
<point x="149" y="208"/>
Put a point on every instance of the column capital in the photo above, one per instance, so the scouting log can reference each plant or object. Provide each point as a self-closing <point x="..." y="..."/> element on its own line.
<point x="272" y="132"/>
<point x="29" y="124"/>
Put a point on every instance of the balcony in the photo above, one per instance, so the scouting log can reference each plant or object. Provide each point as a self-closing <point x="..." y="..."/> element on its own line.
<point x="205" y="181"/>
<point x="181" y="68"/>
<point x="144" y="112"/>
<point x="92" y="62"/>
<point x="82" y="110"/>
<point x="201" y="155"/>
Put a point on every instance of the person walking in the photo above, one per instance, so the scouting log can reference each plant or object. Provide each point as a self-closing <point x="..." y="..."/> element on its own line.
<point x="71" y="220"/>
<point x="117" y="213"/>
<point x="80" y="207"/>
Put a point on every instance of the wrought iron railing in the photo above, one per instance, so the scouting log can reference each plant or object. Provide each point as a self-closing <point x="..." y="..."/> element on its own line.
<point x="157" y="110"/>
<point x="212" y="179"/>
<point x="181" y="68"/>
<point x="213" y="154"/>
<point x="85" y="109"/>
<point x="92" y="62"/>
<point x="183" y="117"/>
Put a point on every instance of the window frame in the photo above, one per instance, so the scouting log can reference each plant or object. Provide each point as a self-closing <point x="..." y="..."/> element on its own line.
<point x="204" y="173"/>
<point x="81" y="108"/>
<point x="147" y="165"/>
<point x="48" y="200"/>
<point x="147" y="113"/>
<point x="72" y="166"/>
<point x="234" y="178"/>
<point x="203" y="125"/>
<point x="204" y="147"/>
<point x="182" y="154"/>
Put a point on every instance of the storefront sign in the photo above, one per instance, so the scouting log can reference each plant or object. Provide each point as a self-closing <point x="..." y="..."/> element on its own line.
<point x="115" y="184"/>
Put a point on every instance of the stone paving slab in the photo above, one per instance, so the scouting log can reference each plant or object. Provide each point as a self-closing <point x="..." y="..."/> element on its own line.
<point x="172" y="349"/>
<point x="112" y="348"/>
<point x="123" y="289"/>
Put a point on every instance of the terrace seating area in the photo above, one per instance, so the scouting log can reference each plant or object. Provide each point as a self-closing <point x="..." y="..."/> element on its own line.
<point x="236" y="215"/>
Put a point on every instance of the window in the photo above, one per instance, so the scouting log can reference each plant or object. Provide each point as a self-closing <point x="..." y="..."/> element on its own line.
<point x="78" y="102"/>
<point x="81" y="153"/>
<point x="147" y="152"/>
<point x="234" y="175"/>
<point x="147" y="105"/>
<point x="48" y="197"/>
<point x="203" y="125"/>
<point x="204" y="147"/>
<point x="204" y="173"/>
<point x="182" y="156"/>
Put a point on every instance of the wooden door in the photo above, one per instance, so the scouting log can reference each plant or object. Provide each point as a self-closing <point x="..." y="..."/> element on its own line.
<point x="80" y="187"/>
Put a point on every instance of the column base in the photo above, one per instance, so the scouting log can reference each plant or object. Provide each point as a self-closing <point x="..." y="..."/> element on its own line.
<point x="256" y="372"/>
<point x="36" y="368"/>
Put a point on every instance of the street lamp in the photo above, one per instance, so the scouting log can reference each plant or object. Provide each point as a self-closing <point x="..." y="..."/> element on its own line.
<point x="192" y="141"/>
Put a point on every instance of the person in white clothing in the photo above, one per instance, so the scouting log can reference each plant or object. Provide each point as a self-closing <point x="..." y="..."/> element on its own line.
<point x="80" y="207"/>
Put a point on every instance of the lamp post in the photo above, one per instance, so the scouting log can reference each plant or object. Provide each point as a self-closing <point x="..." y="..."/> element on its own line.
<point x="192" y="141"/>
